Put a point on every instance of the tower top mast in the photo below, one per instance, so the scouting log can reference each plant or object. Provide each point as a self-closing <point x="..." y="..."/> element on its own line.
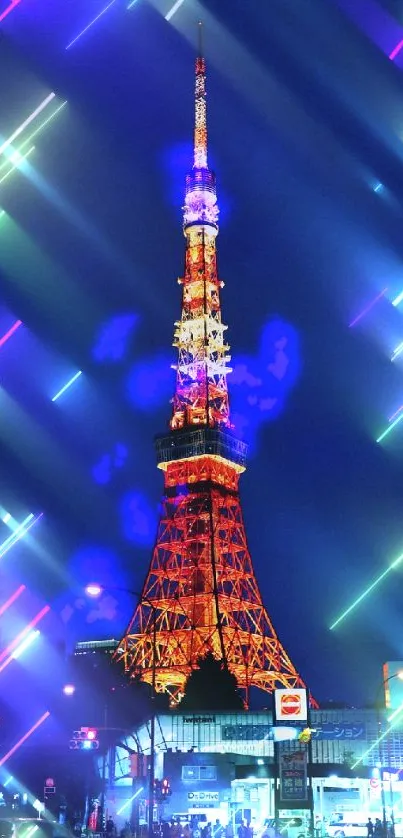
<point x="200" y="135"/>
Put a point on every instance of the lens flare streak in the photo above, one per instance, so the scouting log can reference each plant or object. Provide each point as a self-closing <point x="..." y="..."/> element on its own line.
<point x="367" y="308"/>
<point x="174" y="9"/>
<point x="399" y="410"/>
<point x="396" y="352"/>
<point x="66" y="386"/>
<point x="390" y="427"/>
<point x="8" y="652"/>
<point x="9" y="9"/>
<point x="19" y="533"/>
<point x="396" y="50"/>
<point x="377" y="742"/>
<point x="26" y="122"/>
<point x="25" y="645"/>
<point x="16" y="166"/>
<point x="90" y="24"/>
<point x="10" y="332"/>
<point x="397" y="299"/>
<point x="24" y="738"/>
<point x="10" y="601"/>
<point x="367" y="591"/>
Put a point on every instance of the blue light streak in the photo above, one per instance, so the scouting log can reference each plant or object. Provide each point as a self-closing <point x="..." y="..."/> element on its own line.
<point x="19" y="533"/>
<point x="390" y="428"/>
<point x="90" y="24"/>
<point x="396" y="352"/>
<point x="174" y="9"/>
<point x="66" y="386"/>
<point x="398" y="299"/>
<point x="130" y="6"/>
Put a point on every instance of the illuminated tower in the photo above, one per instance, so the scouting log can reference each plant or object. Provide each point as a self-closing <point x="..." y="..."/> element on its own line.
<point x="200" y="594"/>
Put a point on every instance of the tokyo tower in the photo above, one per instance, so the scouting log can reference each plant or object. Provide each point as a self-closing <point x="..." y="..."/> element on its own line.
<point x="201" y="594"/>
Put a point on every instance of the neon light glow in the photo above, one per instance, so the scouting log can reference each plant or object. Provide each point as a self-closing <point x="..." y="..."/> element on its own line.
<point x="25" y="644"/>
<point x="398" y="299"/>
<point x="19" y="533"/>
<point x="24" y="738"/>
<point x="66" y="386"/>
<point x="90" y="24"/>
<point x="128" y="802"/>
<point x="174" y="9"/>
<point x="398" y="351"/>
<point x="26" y="122"/>
<point x="367" y="591"/>
<point x="9" y="650"/>
<point x="399" y="409"/>
<point x="10" y="601"/>
<point x="9" y="9"/>
<point x="390" y="428"/>
<point x="367" y="308"/>
<point x="396" y="50"/>
<point x="16" y="166"/>
<point x="8" y="335"/>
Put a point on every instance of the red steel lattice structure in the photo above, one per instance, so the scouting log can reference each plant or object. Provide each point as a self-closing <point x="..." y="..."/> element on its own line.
<point x="201" y="594"/>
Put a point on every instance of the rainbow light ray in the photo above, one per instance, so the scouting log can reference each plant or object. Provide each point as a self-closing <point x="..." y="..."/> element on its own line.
<point x="174" y="9"/>
<point x="396" y="50"/>
<point x="10" y="601"/>
<point x="26" y="122"/>
<point x="66" y="386"/>
<point x="9" y="650"/>
<point x="398" y="299"/>
<point x="367" y="591"/>
<point x="390" y="427"/>
<point x="399" y="410"/>
<point x="24" y="738"/>
<point x="10" y="332"/>
<point x="367" y="308"/>
<point x="35" y="133"/>
<point x="9" y="9"/>
<point x="17" y="536"/>
<point x="90" y="24"/>
<point x="16" y="166"/>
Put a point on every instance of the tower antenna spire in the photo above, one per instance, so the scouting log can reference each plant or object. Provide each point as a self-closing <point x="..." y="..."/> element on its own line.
<point x="200" y="136"/>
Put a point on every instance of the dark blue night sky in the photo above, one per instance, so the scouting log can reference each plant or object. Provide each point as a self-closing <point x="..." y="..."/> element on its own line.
<point x="305" y="134"/>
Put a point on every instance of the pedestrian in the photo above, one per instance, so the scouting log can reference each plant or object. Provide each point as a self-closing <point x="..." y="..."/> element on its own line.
<point x="370" y="828"/>
<point x="378" y="829"/>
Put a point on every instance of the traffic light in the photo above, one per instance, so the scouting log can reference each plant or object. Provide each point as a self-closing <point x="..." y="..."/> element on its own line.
<point x="165" y="789"/>
<point x="85" y="739"/>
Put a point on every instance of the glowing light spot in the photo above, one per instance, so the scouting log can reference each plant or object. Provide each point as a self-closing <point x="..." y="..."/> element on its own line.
<point x="9" y="9"/>
<point x="90" y="24"/>
<point x="17" y="165"/>
<point x="367" y="308"/>
<point x="174" y="9"/>
<point x="66" y="386"/>
<point x="398" y="299"/>
<point x="19" y="533"/>
<point x="10" y="601"/>
<point x="378" y="187"/>
<point x="4" y="340"/>
<point x="26" y="122"/>
<point x="32" y="636"/>
<point x="399" y="410"/>
<point x="25" y="737"/>
<point x="7" y="517"/>
<point x="396" y="50"/>
<point x="390" y="428"/>
<point x="367" y="591"/>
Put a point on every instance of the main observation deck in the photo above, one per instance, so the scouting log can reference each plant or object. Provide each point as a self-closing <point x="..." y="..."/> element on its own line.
<point x="198" y="442"/>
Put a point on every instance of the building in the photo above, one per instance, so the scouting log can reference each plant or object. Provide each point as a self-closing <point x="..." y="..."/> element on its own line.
<point x="221" y="765"/>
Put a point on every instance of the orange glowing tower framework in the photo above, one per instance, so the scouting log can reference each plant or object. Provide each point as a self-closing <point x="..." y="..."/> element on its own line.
<point x="200" y="594"/>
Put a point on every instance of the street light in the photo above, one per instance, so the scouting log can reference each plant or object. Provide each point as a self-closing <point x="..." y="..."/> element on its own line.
<point x="381" y="687"/>
<point x="95" y="590"/>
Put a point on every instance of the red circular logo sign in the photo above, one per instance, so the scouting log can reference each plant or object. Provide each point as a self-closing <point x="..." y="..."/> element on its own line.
<point x="291" y="704"/>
